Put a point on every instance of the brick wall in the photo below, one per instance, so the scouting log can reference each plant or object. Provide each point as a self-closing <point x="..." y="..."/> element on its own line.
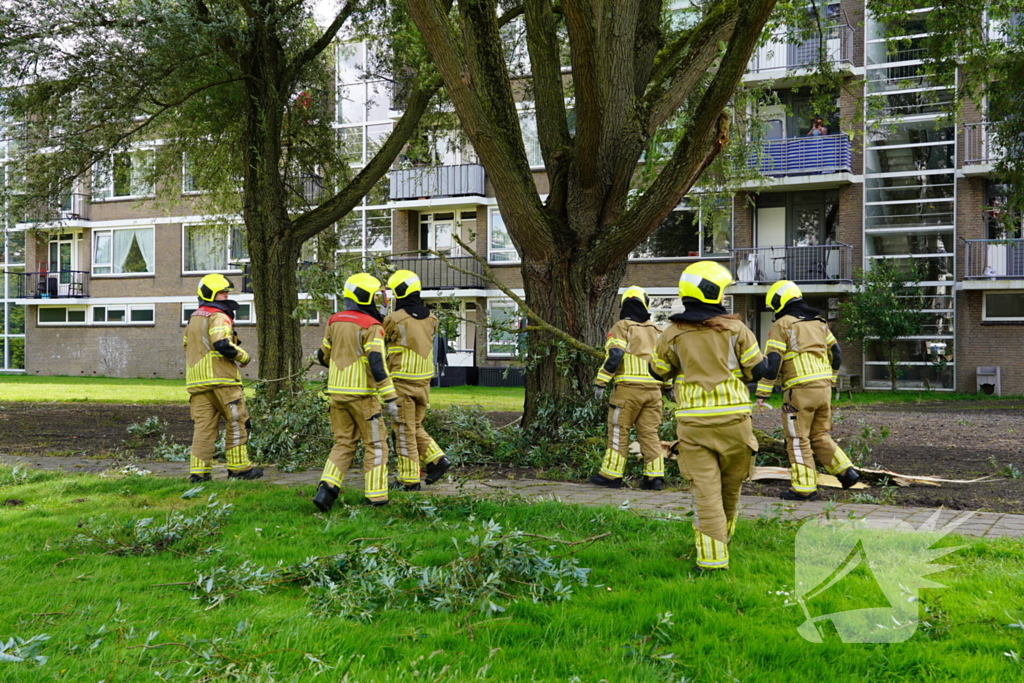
<point x="980" y="344"/>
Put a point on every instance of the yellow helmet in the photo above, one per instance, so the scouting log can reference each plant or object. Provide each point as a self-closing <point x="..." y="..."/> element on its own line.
<point x="781" y="293"/>
<point x="705" y="281"/>
<point x="404" y="282"/>
<point x="211" y="285"/>
<point x="361" y="287"/>
<point x="635" y="292"/>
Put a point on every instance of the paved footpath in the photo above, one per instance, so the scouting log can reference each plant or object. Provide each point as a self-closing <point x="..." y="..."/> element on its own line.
<point x="985" y="524"/>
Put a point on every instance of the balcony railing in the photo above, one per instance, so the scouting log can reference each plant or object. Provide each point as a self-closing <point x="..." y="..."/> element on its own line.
<point x="807" y="155"/>
<point x="981" y="144"/>
<point x="790" y="49"/>
<point x="823" y="264"/>
<point x="994" y="259"/>
<point x="70" y="207"/>
<point x="436" y="274"/>
<point x="246" y="269"/>
<point x="53" y="284"/>
<point x="437" y="181"/>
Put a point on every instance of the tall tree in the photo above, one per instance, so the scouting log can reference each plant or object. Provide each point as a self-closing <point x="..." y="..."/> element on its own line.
<point x="243" y="90"/>
<point x="630" y="71"/>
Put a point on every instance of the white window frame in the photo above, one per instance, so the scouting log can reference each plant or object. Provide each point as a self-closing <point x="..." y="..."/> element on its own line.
<point x="250" y="319"/>
<point x="105" y="192"/>
<point x="96" y="232"/>
<point x="89" y="313"/>
<point x="491" y="211"/>
<point x="229" y="241"/>
<point x="985" y="317"/>
<point x="506" y="304"/>
<point x="703" y="255"/>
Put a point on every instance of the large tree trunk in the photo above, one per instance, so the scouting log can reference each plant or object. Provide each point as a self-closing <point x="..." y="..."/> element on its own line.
<point x="274" y="257"/>
<point x="567" y="291"/>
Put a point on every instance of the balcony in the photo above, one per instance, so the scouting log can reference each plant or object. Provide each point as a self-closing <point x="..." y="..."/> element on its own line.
<point x="823" y="264"/>
<point x="54" y="284"/>
<point x="436" y="274"/>
<point x="463" y="180"/>
<point x="790" y="49"/>
<point x="993" y="264"/>
<point x="982" y="148"/>
<point x="246" y="269"/>
<point x="806" y="155"/>
<point x="71" y="207"/>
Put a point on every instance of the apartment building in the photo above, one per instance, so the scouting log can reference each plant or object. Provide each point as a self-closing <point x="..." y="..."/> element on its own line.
<point x="107" y="291"/>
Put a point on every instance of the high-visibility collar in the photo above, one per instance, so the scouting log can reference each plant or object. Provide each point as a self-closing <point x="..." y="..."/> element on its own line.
<point x="358" y="317"/>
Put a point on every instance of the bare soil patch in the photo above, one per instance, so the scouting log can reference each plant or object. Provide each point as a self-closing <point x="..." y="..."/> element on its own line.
<point x="954" y="440"/>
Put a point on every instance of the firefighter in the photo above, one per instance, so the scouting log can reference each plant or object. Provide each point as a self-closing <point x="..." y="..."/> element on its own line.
<point x="409" y="334"/>
<point x="711" y="355"/>
<point x="636" y="395"/>
<point x="213" y="355"/>
<point x="804" y="355"/>
<point x="358" y="380"/>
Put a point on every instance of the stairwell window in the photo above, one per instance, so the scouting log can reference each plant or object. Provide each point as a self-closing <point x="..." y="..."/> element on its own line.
<point x="124" y="175"/>
<point x="123" y="251"/>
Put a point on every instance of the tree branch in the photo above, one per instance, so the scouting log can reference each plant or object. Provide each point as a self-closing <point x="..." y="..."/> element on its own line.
<point x="323" y="42"/>
<point x="316" y="220"/>
<point x="705" y="137"/>
<point x="541" y="323"/>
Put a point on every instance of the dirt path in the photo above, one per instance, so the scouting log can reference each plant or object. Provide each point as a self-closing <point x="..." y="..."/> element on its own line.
<point x="957" y="440"/>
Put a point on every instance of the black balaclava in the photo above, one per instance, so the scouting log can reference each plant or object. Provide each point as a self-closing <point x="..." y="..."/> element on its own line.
<point x="798" y="308"/>
<point x="224" y="305"/>
<point x="413" y="305"/>
<point x="635" y="310"/>
<point x="369" y="309"/>
<point x="697" y="311"/>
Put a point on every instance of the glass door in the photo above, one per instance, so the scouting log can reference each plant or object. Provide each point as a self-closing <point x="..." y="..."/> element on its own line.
<point x="62" y="263"/>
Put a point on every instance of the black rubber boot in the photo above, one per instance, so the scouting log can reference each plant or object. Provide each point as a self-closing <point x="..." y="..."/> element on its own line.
<point x="397" y="485"/>
<point x="436" y="469"/>
<point x="598" y="480"/>
<point x="849" y="478"/>
<point x="790" y="494"/>
<point x="197" y="478"/>
<point x="375" y="503"/>
<point x="325" y="496"/>
<point x="249" y="474"/>
<point x="653" y="484"/>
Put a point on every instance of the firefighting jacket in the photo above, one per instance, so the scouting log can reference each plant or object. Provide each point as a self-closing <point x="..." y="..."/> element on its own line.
<point x="354" y="343"/>
<point x="710" y="367"/>
<point x="212" y="351"/>
<point x="410" y="344"/>
<point x="628" y="354"/>
<point x="805" y="354"/>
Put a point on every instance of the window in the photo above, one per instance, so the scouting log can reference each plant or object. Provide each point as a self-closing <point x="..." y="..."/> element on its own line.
<point x="211" y="248"/>
<point x="245" y="315"/>
<point x="499" y="244"/>
<point x="123" y="251"/>
<point x="62" y="315"/>
<point x="188" y="180"/>
<point x="531" y="138"/>
<point x="689" y="232"/>
<point x="127" y="174"/>
<point x="1003" y="307"/>
<point x="502" y="320"/>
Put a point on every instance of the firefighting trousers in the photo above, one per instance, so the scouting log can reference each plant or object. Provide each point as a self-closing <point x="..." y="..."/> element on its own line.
<point x="351" y="422"/>
<point x="806" y="423"/>
<point x="413" y="444"/>
<point x="716" y="458"/>
<point x="207" y="409"/>
<point x="640" y="407"/>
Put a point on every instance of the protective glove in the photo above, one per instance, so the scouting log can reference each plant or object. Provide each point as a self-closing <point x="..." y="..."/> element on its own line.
<point x="598" y="393"/>
<point x="391" y="408"/>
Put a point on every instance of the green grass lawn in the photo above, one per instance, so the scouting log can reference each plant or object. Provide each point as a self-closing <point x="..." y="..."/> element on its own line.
<point x="115" y="390"/>
<point x="128" y="618"/>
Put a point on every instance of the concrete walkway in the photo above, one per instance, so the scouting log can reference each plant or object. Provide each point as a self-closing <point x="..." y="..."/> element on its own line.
<point x="984" y="524"/>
